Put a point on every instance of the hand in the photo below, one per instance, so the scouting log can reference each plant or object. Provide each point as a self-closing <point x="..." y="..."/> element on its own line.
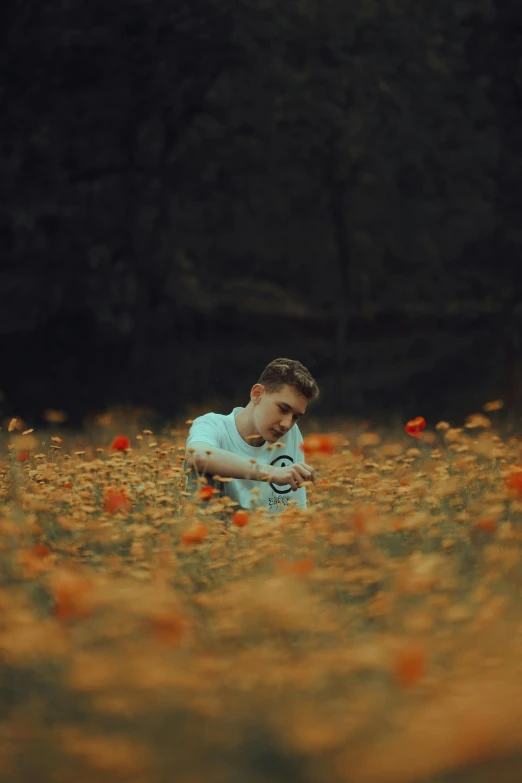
<point x="293" y="474"/>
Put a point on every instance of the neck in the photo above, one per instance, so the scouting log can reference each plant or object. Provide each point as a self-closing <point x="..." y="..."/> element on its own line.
<point x="246" y="427"/>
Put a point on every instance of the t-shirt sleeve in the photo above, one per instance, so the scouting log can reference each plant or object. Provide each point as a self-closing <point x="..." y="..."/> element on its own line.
<point x="206" y="429"/>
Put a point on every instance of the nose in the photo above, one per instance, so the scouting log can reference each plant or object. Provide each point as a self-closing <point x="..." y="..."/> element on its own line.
<point x="286" y="423"/>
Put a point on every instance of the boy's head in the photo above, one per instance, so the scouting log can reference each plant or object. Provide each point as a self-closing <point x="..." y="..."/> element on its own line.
<point x="280" y="397"/>
<point x="289" y="372"/>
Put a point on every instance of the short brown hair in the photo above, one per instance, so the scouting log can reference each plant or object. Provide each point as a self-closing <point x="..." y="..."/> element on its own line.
<point x="289" y="372"/>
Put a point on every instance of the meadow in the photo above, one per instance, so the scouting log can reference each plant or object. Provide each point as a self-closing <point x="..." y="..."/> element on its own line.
<point x="151" y="633"/>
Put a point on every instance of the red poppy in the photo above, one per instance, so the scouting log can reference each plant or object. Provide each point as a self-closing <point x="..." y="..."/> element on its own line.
<point x="486" y="525"/>
<point x="120" y="443"/>
<point x="206" y="492"/>
<point x="240" y="518"/>
<point x="21" y="456"/>
<point x="116" y="500"/>
<point x="415" y="426"/>
<point x="40" y="550"/>
<point x="514" y="483"/>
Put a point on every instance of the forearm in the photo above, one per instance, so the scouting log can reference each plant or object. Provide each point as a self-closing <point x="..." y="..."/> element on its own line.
<point x="223" y="463"/>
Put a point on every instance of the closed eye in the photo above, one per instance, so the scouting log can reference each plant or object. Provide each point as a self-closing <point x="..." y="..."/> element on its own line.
<point x="285" y="409"/>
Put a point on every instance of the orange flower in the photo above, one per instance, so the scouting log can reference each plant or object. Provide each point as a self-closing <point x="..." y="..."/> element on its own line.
<point x="206" y="492"/>
<point x="68" y="485"/>
<point x="195" y="534"/>
<point x="318" y="444"/>
<point x="116" y="501"/>
<point x="240" y="518"/>
<point x="21" y="456"/>
<point x="410" y="665"/>
<point x="120" y="443"/>
<point x="415" y="426"/>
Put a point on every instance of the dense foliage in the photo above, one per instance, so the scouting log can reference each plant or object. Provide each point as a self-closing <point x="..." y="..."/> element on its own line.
<point x="181" y="173"/>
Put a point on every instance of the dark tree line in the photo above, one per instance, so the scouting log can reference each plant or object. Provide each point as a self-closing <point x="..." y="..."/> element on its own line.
<point x="190" y="188"/>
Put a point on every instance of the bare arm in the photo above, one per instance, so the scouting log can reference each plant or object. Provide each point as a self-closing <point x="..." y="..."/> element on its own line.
<point x="207" y="459"/>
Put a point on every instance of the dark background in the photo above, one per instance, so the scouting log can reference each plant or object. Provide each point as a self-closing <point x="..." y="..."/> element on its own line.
<point x="190" y="189"/>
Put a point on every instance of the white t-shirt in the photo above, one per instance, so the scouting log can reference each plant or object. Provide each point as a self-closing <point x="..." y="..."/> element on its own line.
<point x="221" y="432"/>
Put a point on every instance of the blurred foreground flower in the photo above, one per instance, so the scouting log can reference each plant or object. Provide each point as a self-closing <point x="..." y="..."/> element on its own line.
<point x="55" y="417"/>
<point x="410" y="665"/>
<point x="71" y="595"/>
<point x="477" y="421"/>
<point x="205" y="493"/>
<point x="15" y="424"/>
<point x="116" y="500"/>
<point x="318" y="444"/>
<point x="106" y="755"/>
<point x="514" y="482"/>
<point x="168" y="627"/>
<point x="486" y="525"/>
<point x="415" y="426"/>
<point x="120" y="443"/>
<point x="494" y="405"/>
<point x="35" y="560"/>
<point x="195" y="534"/>
<point x="240" y="518"/>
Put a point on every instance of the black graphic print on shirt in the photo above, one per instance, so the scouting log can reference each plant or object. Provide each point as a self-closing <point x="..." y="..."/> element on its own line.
<point x="282" y="462"/>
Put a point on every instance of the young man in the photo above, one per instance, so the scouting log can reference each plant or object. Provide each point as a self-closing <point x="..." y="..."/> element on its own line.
<point x="258" y="447"/>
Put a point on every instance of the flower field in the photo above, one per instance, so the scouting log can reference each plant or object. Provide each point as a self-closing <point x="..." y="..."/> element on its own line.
<point x="151" y="633"/>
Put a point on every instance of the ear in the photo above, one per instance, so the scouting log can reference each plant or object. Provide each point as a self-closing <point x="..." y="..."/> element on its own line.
<point x="256" y="393"/>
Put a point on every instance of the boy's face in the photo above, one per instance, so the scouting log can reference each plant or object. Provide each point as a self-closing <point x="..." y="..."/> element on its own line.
<point x="276" y="412"/>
